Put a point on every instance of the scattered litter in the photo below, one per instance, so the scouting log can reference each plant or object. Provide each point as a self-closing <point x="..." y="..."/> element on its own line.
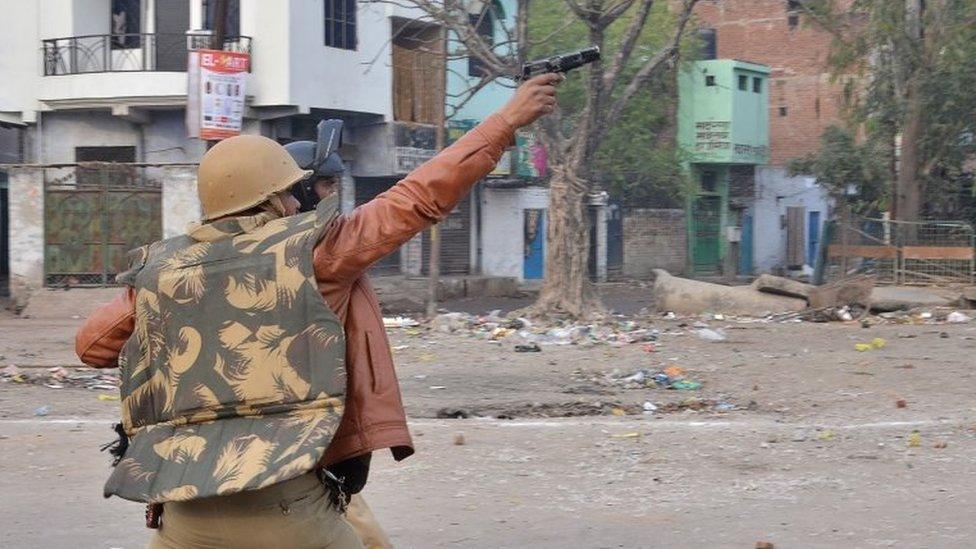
<point x="714" y="336"/>
<point x="626" y="435"/>
<point x="427" y="357"/>
<point x="957" y="317"/>
<point x="674" y="371"/>
<point x="944" y="335"/>
<point x="401" y="347"/>
<point x="528" y="348"/>
<point x="649" y="407"/>
<point x="453" y="413"/>
<point x="826" y="434"/>
<point x="104" y="397"/>
<point x="42" y="411"/>
<point x="940" y="445"/>
<point x="438" y="387"/>
<point x="686" y="385"/>
<point x="901" y="403"/>
<point x="420" y="376"/>
<point x="874" y="344"/>
<point x="724" y="407"/>
<point x="618" y="412"/>
<point x="915" y="439"/>
<point x="764" y="545"/>
<point x="459" y="439"/>
<point x="54" y="386"/>
<point x="399" y="322"/>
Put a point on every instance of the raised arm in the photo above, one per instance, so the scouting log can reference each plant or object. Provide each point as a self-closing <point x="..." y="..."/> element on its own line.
<point x="100" y="339"/>
<point x="430" y="192"/>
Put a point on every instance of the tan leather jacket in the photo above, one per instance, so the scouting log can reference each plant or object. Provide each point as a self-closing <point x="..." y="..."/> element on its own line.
<point x="374" y="416"/>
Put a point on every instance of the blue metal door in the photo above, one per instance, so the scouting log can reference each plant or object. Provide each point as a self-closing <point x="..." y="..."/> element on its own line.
<point x="813" y="238"/>
<point x="746" y="247"/>
<point x="533" y="266"/>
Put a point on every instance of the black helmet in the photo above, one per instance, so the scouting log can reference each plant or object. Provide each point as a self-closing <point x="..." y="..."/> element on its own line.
<point x="319" y="156"/>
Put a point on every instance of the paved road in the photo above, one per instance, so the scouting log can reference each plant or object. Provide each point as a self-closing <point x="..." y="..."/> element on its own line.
<point x="592" y="482"/>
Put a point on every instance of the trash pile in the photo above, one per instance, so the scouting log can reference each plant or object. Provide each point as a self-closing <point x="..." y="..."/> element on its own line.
<point x="528" y="336"/>
<point x="59" y="378"/>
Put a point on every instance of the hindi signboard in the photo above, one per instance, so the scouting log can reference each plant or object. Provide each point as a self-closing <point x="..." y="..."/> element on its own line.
<point x="216" y="95"/>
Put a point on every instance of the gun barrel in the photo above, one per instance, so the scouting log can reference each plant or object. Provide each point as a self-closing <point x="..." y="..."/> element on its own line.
<point x="560" y="63"/>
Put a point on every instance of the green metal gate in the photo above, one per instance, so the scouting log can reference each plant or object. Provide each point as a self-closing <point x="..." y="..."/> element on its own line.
<point x="706" y="228"/>
<point x="93" y="214"/>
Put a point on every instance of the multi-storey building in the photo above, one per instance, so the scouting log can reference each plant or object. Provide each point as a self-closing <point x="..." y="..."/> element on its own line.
<point x="106" y="80"/>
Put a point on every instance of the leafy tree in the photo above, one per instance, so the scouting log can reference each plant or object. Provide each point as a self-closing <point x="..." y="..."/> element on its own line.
<point x="910" y="66"/>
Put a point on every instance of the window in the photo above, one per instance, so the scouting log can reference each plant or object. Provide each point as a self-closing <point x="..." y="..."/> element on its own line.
<point x="782" y="111"/>
<point x="709" y="44"/>
<point x="709" y="182"/>
<point x="126" y="21"/>
<point x="743" y="82"/>
<point x="793" y="13"/>
<point x="105" y="154"/>
<point x="340" y="24"/>
<point x="756" y="84"/>
<point x="484" y="24"/>
<point x="709" y="80"/>
<point x="232" y="25"/>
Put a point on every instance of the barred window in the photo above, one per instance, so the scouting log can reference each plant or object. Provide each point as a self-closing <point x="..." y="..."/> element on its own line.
<point x="340" y="24"/>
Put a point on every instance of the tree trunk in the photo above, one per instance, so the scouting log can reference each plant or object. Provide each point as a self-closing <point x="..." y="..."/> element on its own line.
<point x="909" y="187"/>
<point x="566" y="288"/>
<point x="909" y="197"/>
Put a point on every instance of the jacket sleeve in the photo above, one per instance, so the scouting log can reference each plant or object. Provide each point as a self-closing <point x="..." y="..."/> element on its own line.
<point x="425" y="196"/>
<point x="100" y="339"/>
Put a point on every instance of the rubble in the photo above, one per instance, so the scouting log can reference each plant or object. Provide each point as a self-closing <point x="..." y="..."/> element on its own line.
<point x="59" y="378"/>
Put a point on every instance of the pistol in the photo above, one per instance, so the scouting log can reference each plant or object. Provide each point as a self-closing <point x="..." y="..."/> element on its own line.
<point x="559" y="63"/>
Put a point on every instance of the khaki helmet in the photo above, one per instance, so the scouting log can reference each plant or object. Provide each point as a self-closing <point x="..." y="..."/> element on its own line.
<point x="243" y="171"/>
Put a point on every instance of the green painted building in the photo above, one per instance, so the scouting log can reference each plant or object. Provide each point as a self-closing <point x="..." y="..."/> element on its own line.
<point x="723" y="130"/>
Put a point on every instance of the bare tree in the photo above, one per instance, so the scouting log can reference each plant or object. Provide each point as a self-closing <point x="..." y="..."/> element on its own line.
<point x="571" y="139"/>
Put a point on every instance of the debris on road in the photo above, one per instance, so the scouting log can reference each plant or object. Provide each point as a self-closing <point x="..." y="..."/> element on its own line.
<point x="873" y="345"/>
<point x="399" y="322"/>
<point x="915" y="439"/>
<point x="528" y="348"/>
<point x="43" y="410"/>
<point x="60" y="378"/>
<point x="453" y="413"/>
<point x="459" y="439"/>
<point x="714" y="336"/>
<point x="901" y="403"/>
<point x="957" y="317"/>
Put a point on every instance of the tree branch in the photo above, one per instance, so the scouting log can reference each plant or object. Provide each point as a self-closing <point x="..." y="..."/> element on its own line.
<point x="666" y="53"/>
<point x="633" y="33"/>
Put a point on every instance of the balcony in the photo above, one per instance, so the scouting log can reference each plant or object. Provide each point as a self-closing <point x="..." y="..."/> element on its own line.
<point x="105" y="53"/>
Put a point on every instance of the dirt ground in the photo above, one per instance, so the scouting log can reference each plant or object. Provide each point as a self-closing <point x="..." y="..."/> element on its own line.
<point x="815" y="451"/>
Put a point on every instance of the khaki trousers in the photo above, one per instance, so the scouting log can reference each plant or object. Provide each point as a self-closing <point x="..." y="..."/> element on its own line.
<point x="294" y="514"/>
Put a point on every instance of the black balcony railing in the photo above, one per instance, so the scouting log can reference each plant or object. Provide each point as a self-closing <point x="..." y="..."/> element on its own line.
<point x="128" y="52"/>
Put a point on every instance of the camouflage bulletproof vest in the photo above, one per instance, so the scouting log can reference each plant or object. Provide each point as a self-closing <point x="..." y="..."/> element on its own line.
<point x="234" y="376"/>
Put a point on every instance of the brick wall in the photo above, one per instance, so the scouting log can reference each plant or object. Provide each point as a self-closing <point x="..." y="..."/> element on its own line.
<point x="653" y="239"/>
<point x="759" y="31"/>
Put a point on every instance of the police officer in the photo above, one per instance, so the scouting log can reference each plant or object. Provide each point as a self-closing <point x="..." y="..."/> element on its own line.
<point x="230" y="342"/>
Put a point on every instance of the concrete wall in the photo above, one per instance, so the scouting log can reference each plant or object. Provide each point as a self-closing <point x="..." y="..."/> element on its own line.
<point x="654" y="239"/>
<point x="26" y="206"/>
<point x="63" y="131"/>
<point x="334" y="78"/>
<point x="166" y="141"/>
<point x="775" y="191"/>
<point x="20" y="60"/>
<point x="503" y="225"/>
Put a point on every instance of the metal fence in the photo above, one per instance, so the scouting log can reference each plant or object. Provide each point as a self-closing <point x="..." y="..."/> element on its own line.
<point x="128" y="52"/>
<point x="899" y="252"/>
<point x="93" y="214"/>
